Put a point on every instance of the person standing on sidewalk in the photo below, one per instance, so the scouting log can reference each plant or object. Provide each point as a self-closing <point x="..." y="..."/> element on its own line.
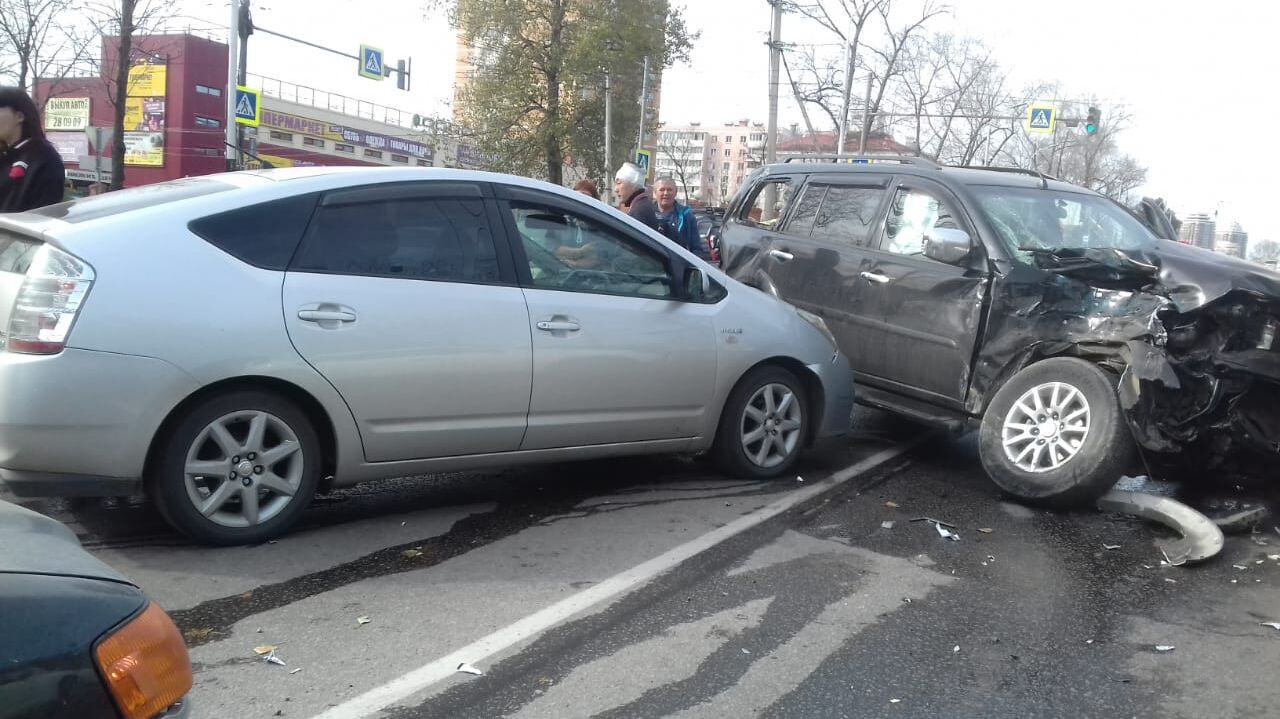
<point x="628" y="187"/>
<point x="675" y="220"/>
<point x="31" y="171"/>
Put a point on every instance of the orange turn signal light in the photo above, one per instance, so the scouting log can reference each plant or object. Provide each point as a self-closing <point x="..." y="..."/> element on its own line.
<point x="145" y="664"/>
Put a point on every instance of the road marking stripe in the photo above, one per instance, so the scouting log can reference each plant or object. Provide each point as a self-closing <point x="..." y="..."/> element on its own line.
<point x="424" y="676"/>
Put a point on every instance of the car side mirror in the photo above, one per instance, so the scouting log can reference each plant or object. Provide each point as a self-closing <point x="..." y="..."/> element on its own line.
<point x="695" y="285"/>
<point x="947" y="245"/>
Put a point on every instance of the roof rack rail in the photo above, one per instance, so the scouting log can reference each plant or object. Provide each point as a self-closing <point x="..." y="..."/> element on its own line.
<point x="865" y="159"/>
<point x="1044" y="179"/>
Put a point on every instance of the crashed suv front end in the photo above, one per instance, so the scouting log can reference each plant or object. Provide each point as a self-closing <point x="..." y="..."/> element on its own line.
<point x="1205" y="397"/>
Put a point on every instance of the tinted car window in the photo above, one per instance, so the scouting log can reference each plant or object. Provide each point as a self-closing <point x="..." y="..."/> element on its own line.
<point x="847" y="213"/>
<point x="443" y="239"/>
<point x="913" y="213"/>
<point x="1028" y="220"/>
<point x="264" y="235"/>
<point x="801" y="222"/>
<point x="570" y="252"/>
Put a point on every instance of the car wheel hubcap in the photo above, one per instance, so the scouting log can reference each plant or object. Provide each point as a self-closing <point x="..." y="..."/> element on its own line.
<point x="770" y="428"/>
<point x="1046" y="427"/>
<point x="243" y="468"/>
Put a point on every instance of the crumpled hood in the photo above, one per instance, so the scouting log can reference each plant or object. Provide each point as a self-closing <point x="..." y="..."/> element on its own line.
<point x="1192" y="276"/>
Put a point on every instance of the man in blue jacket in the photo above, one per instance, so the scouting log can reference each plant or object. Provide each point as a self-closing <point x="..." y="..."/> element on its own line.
<point x="676" y="220"/>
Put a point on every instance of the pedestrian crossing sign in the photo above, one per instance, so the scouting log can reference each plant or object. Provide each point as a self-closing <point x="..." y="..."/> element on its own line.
<point x="1042" y="118"/>
<point x="248" y="106"/>
<point x="370" y="62"/>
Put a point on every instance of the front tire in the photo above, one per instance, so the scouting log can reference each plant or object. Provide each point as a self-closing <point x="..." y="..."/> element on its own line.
<point x="1054" y="435"/>
<point x="238" y="468"/>
<point x="763" y="426"/>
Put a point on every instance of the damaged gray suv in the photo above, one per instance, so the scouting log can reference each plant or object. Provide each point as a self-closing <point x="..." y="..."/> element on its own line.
<point x="1046" y="315"/>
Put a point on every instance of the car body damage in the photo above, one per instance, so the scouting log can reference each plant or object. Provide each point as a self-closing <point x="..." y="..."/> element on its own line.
<point x="1192" y="335"/>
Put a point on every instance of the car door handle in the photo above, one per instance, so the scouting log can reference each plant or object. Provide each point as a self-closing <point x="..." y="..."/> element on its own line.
<point x="558" y="326"/>
<point x="781" y="255"/>
<point x="876" y="277"/>
<point x="326" y="316"/>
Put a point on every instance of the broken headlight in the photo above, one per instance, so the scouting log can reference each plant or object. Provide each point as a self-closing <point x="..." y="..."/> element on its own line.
<point x="1268" y="338"/>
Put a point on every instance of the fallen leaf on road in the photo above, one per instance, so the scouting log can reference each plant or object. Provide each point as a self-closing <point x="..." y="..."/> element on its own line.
<point x="886" y="525"/>
<point x="986" y="530"/>
<point x="197" y="634"/>
<point x="891" y="505"/>
<point x="360" y="621"/>
<point x="411" y="553"/>
<point x="264" y="649"/>
<point x="1110" y="547"/>
<point x="1165" y="647"/>
<point x="468" y="669"/>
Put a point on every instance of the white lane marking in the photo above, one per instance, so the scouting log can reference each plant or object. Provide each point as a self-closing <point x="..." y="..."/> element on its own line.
<point x="424" y="676"/>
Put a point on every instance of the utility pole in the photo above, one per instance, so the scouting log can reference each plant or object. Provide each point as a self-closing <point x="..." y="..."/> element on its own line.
<point x="771" y="139"/>
<point x="848" y="90"/>
<point x="233" y="76"/>
<point x="866" y="117"/>
<point x="244" y="30"/>
<point x="644" y="101"/>
<point x="608" y="137"/>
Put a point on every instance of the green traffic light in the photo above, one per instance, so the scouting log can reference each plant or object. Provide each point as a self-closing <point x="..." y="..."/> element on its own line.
<point x="1090" y="128"/>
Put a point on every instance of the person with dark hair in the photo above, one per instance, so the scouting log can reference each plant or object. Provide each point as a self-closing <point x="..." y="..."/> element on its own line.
<point x="31" y="171"/>
<point x="588" y="188"/>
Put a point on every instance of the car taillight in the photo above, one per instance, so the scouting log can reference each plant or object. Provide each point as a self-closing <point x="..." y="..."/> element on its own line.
<point x="47" y="303"/>
<point x="145" y="664"/>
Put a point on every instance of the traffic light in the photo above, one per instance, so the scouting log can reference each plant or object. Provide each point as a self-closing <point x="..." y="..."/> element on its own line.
<point x="1092" y="121"/>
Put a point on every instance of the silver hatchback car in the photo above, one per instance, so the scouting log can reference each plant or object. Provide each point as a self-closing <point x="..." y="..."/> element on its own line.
<point x="232" y="344"/>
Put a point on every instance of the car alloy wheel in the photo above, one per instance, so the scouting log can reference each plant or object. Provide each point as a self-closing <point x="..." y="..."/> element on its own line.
<point x="1046" y="427"/>
<point x="243" y="468"/>
<point x="771" y="425"/>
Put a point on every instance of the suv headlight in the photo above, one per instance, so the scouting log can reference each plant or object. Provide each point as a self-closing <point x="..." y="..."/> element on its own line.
<point x="820" y="325"/>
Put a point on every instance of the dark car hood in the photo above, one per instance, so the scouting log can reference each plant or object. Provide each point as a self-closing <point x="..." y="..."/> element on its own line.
<point x="1192" y="276"/>
<point x="32" y="543"/>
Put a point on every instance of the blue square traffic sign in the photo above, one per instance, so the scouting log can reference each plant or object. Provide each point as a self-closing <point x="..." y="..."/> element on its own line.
<point x="370" y="62"/>
<point x="248" y="106"/>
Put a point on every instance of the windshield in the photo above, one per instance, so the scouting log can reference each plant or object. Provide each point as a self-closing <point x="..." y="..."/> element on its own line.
<point x="1027" y="220"/>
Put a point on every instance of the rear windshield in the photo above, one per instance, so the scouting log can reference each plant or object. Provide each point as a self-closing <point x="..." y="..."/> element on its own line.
<point x="134" y="198"/>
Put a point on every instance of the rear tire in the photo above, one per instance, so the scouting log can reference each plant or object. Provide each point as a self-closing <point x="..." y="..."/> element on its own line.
<point x="1054" y="435"/>
<point x="238" y="468"/>
<point x="763" y="426"/>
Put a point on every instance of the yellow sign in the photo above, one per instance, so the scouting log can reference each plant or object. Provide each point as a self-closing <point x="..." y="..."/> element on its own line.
<point x="66" y="113"/>
<point x="248" y="106"/>
<point x="148" y="80"/>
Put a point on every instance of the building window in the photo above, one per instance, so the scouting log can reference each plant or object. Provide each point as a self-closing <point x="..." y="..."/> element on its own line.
<point x="400" y="159"/>
<point x="210" y="91"/>
<point x="743" y="139"/>
<point x="207" y="122"/>
<point x="742" y="153"/>
<point x="210" y="152"/>
<point x="698" y="135"/>
<point x="344" y="148"/>
<point x="282" y="136"/>
<point x="726" y="165"/>
<point x="375" y="154"/>
<point x="424" y="163"/>
<point x="312" y="142"/>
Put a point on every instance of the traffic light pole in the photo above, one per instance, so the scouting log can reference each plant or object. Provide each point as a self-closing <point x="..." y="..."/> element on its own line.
<point x="233" y="76"/>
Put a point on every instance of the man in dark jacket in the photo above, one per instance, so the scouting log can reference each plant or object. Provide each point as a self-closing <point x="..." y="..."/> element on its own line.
<point x="628" y="187"/>
<point x="31" y="172"/>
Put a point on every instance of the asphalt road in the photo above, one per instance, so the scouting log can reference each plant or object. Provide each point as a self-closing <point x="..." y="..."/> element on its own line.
<point x="655" y="588"/>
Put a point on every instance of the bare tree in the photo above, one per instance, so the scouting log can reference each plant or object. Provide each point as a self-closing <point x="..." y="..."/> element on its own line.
<point x="42" y="39"/>
<point x="125" y="20"/>
<point x="888" y="64"/>
<point x="1265" y="252"/>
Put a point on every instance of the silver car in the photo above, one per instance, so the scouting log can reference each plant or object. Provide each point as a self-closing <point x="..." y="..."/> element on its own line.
<point x="231" y="344"/>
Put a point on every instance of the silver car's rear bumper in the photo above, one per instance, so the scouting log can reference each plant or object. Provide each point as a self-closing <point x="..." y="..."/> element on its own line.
<point x="81" y="422"/>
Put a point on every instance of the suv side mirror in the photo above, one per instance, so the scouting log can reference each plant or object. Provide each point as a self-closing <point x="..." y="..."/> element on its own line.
<point x="947" y="245"/>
